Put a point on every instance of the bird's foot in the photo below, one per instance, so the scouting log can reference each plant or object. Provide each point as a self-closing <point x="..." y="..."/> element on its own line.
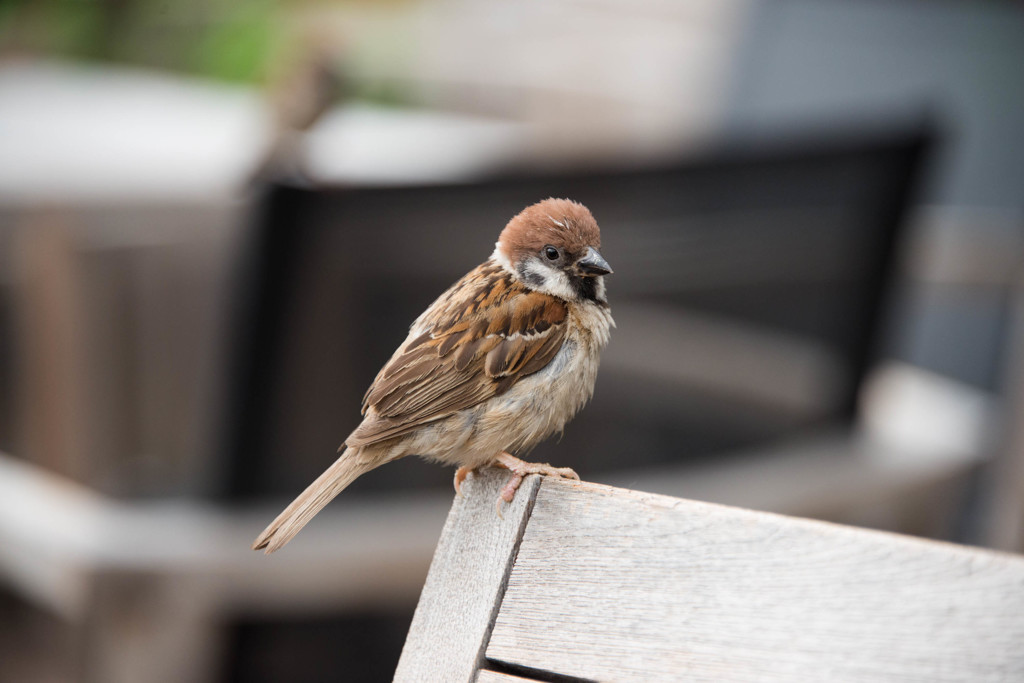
<point x="521" y="468"/>
<point x="460" y="476"/>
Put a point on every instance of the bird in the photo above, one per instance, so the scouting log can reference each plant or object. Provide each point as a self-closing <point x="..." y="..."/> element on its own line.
<point x="501" y="361"/>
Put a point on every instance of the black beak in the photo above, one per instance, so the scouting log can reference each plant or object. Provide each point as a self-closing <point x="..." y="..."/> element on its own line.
<point x="593" y="263"/>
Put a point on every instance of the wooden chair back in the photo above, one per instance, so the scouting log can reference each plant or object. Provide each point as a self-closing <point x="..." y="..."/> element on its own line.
<point x="583" y="582"/>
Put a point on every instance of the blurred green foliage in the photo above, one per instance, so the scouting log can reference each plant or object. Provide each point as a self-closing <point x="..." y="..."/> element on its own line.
<point x="233" y="40"/>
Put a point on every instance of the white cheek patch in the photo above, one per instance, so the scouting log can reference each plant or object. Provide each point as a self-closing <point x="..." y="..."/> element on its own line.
<point x="545" y="279"/>
<point x="502" y="260"/>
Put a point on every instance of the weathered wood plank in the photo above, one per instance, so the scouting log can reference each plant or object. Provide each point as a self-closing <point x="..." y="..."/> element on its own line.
<point x="467" y="578"/>
<point x="617" y="585"/>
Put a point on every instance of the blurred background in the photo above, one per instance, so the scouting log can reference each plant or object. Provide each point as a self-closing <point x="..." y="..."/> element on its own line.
<point x="217" y="220"/>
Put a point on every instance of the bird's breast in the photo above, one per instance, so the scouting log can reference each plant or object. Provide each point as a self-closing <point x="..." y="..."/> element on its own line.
<point x="541" y="404"/>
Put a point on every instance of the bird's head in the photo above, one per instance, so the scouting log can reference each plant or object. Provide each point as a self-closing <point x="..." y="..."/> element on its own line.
<point x="553" y="247"/>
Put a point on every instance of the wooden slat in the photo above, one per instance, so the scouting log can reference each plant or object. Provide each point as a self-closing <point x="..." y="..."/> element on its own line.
<point x="618" y="585"/>
<point x="467" y="578"/>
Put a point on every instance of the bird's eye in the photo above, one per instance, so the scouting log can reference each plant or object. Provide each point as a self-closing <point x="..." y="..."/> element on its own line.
<point x="551" y="253"/>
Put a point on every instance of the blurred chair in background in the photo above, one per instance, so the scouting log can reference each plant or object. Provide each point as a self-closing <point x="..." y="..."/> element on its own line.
<point x="750" y="306"/>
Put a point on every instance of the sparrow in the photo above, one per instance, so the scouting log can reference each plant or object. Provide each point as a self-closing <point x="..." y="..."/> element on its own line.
<point x="498" y="363"/>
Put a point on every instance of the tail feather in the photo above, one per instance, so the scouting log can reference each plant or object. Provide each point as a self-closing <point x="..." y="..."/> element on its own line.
<point x="333" y="481"/>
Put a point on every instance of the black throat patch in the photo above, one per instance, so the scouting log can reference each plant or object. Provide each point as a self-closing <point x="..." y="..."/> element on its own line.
<point x="585" y="287"/>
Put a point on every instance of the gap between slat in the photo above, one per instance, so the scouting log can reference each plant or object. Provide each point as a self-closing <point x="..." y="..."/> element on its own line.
<point x="540" y="675"/>
<point x="503" y="585"/>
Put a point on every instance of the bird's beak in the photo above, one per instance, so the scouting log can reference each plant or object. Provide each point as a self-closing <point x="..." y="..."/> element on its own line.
<point x="593" y="263"/>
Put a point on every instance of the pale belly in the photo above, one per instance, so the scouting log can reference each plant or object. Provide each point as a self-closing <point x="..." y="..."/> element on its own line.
<point x="532" y="410"/>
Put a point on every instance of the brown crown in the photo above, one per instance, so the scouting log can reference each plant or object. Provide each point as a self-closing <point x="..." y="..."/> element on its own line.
<point x="561" y="223"/>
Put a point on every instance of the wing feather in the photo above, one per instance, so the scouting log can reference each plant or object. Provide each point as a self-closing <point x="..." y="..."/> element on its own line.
<point x="476" y="341"/>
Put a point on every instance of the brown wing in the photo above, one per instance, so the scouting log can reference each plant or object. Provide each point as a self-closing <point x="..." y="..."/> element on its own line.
<point x="476" y="341"/>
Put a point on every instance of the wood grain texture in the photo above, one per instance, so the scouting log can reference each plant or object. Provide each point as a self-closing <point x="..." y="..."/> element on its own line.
<point x="618" y="585"/>
<point x="467" y="578"/>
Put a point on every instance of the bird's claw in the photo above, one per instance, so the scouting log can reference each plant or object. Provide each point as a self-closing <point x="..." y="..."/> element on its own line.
<point x="508" y="492"/>
<point x="520" y="469"/>
<point x="460" y="476"/>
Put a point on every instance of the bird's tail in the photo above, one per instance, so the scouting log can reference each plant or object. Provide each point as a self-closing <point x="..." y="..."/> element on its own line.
<point x="333" y="481"/>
